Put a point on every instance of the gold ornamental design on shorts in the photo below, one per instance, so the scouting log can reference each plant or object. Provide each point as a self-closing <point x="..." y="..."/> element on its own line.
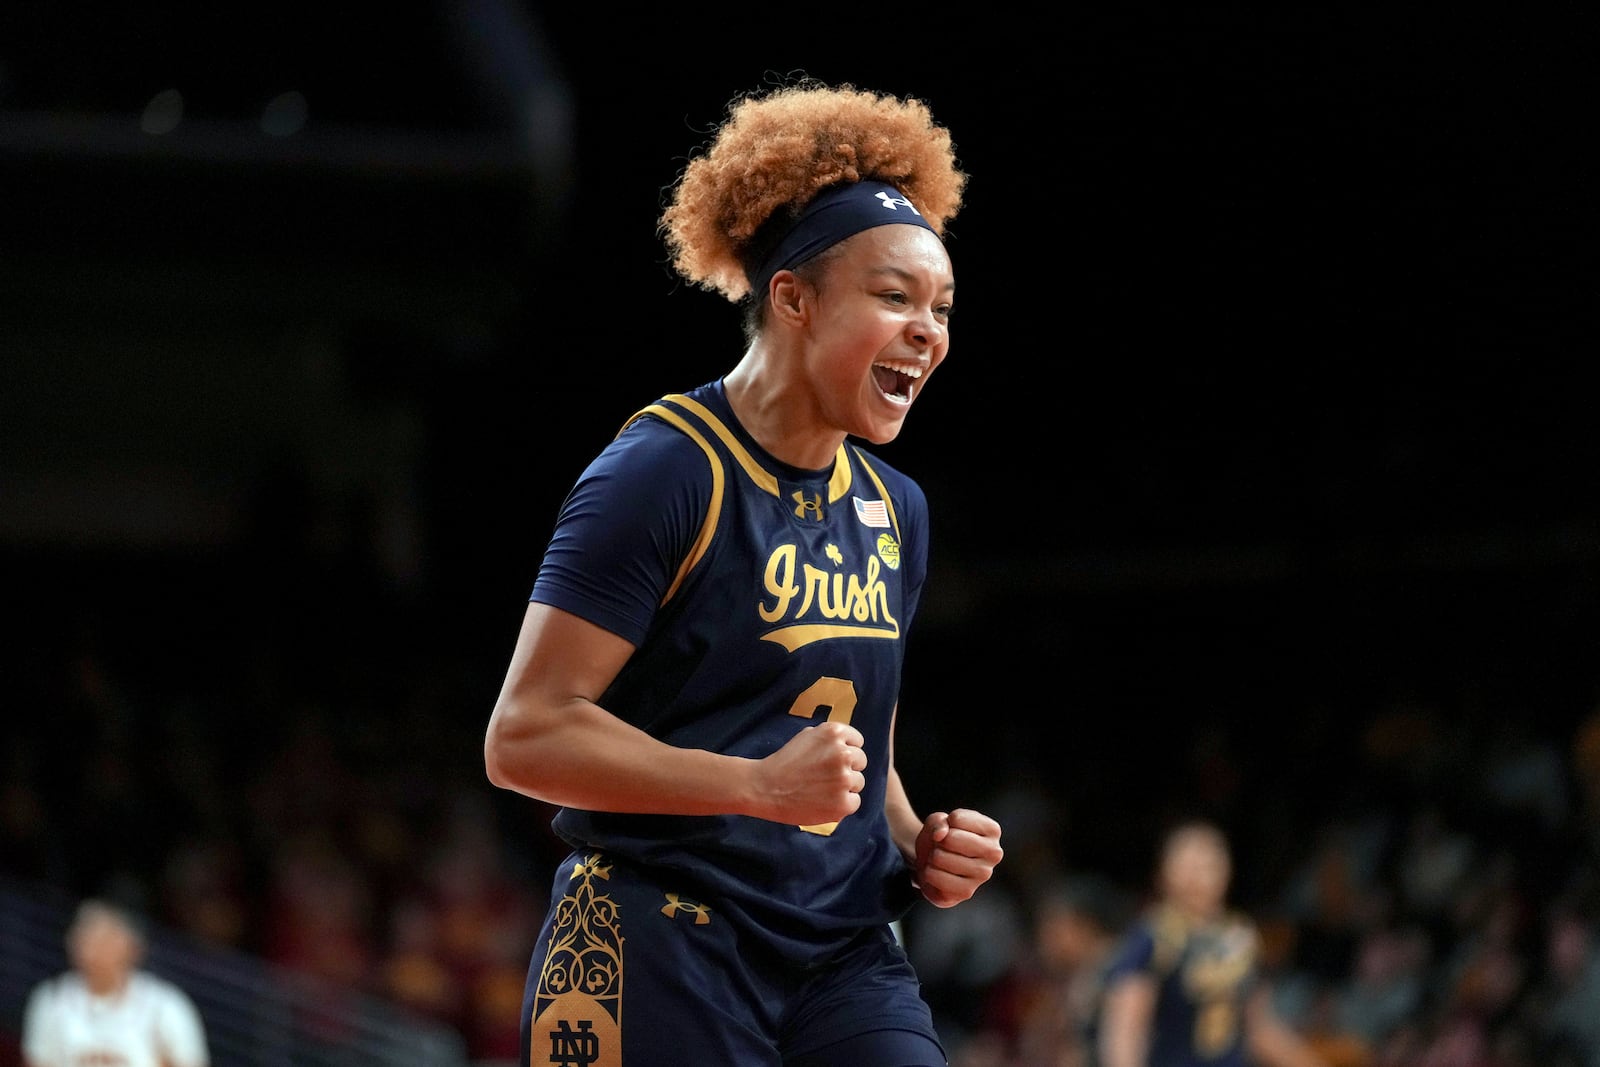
<point x="577" y="1007"/>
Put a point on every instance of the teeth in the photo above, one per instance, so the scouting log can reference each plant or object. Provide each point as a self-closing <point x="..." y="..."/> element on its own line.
<point x="909" y="370"/>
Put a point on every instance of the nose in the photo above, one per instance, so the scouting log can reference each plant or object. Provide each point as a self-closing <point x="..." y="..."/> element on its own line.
<point x="926" y="331"/>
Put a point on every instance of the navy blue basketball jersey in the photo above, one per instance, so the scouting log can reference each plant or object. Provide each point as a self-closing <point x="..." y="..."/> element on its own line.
<point x="761" y="599"/>
<point x="1204" y="975"/>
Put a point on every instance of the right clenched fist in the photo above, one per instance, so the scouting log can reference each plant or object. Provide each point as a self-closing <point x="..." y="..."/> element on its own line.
<point x="815" y="777"/>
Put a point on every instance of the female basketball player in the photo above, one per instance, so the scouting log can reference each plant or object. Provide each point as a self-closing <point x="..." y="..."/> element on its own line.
<point x="1185" y="988"/>
<point x="707" y="674"/>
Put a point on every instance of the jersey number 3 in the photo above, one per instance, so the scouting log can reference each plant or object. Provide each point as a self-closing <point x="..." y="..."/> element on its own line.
<point x="838" y="696"/>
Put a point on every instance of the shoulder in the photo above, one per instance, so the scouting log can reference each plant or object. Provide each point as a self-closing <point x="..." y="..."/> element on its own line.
<point x="904" y="495"/>
<point x="160" y="991"/>
<point x="655" y="448"/>
<point x="649" y="470"/>
<point x="177" y="1020"/>
<point x="1135" y="949"/>
<point x="893" y="478"/>
<point x="50" y="991"/>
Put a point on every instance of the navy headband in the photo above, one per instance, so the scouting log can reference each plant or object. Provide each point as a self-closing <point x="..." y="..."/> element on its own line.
<point x="832" y="215"/>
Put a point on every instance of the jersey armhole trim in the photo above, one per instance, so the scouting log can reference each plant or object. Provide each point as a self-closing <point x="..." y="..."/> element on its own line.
<point x="708" y="526"/>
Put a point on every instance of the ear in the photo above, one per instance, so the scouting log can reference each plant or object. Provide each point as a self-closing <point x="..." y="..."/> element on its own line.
<point x="788" y="296"/>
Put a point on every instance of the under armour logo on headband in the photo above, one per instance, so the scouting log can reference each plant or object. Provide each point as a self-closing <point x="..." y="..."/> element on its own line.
<point x="893" y="203"/>
<point x="832" y="215"/>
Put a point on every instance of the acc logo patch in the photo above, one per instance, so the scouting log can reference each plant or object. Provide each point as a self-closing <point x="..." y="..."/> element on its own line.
<point x="889" y="551"/>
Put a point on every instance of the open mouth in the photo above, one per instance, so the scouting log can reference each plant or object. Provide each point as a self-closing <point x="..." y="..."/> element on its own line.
<point x="897" y="381"/>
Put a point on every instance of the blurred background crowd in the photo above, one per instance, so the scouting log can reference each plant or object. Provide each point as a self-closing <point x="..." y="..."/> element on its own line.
<point x="1263" y="473"/>
<point x="1423" y="869"/>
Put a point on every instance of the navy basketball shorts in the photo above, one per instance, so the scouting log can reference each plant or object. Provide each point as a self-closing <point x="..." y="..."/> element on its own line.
<point x="629" y="972"/>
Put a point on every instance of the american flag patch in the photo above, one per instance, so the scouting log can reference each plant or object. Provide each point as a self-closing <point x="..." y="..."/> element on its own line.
<point x="872" y="512"/>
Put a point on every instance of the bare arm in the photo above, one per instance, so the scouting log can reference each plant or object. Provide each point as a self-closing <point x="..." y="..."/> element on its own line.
<point x="549" y="738"/>
<point x="951" y="853"/>
<point x="1127" y="1015"/>
<point x="1274" y="1042"/>
<point x="904" y="823"/>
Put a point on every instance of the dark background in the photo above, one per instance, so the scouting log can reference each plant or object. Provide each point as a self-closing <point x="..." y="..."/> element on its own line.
<point x="1267" y="411"/>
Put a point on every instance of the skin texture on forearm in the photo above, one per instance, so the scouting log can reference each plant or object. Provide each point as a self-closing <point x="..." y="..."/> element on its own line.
<point x="577" y="754"/>
<point x="1125" y="1025"/>
<point x="548" y="738"/>
<point x="951" y="853"/>
<point x="904" y="823"/>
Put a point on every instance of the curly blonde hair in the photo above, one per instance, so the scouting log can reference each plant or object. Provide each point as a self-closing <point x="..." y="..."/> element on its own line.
<point x="777" y="148"/>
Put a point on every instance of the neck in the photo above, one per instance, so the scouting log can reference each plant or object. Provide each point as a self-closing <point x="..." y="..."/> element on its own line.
<point x="779" y="411"/>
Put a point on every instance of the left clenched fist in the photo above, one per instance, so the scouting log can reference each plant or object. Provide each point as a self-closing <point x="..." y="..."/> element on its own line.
<point x="957" y="851"/>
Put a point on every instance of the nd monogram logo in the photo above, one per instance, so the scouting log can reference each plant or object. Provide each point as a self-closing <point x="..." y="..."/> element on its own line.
<point x="580" y="984"/>
<point x="574" y="1048"/>
<point x="804" y="507"/>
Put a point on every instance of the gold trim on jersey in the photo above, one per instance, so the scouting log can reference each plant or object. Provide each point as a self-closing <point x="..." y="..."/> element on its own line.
<point x="838" y="482"/>
<point x="888" y="501"/>
<point x="708" y="527"/>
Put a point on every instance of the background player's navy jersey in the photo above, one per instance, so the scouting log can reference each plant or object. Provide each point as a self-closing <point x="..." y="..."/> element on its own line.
<point x="761" y="599"/>
<point x="1204" y="976"/>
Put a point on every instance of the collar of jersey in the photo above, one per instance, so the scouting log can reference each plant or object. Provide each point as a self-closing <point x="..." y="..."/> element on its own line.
<point x="839" y="481"/>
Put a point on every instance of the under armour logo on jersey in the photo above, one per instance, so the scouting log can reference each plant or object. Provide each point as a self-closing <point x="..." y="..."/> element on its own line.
<point x="574" y="1048"/>
<point x="894" y="203"/>
<point x="675" y="904"/>
<point x="804" y="507"/>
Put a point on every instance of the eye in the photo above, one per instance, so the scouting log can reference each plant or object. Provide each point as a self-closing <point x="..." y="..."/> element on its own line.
<point x="895" y="296"/>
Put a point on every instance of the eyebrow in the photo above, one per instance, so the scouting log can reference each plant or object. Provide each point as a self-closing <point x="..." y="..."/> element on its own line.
<point x="910" y="276"/>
